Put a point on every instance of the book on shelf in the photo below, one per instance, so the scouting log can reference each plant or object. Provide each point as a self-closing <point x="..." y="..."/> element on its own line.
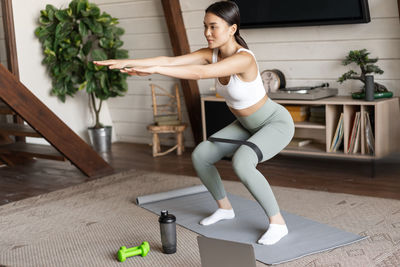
<point x="317" y="114"/>
<point x="338" y="136"/>
<point x="357" y="143"/>
<point x="318" y="109"/>
<point x="298" y="117"/>
<point x="298" y="108"/>
<point x="299" y="142"/>
<point x="317" y="120"/>
<point x="299" y="113"/>
<point x="369" y="135"/>
<point x="354" y="137"/>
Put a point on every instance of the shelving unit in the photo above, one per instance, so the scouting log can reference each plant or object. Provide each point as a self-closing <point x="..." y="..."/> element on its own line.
<point x="386" y="128"/>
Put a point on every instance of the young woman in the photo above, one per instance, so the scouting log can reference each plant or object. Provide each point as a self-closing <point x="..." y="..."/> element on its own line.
<point x="262" y="123"/>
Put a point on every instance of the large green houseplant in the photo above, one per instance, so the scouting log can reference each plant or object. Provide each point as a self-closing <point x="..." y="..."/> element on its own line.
<point x="72" y="38"/>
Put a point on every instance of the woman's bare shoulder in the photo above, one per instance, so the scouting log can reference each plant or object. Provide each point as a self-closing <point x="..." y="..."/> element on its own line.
<point x="206" y="53"/>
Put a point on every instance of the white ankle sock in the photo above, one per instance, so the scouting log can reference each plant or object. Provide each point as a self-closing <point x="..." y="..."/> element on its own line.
<point x="274" y="233"/>
<point x="219" y="214"/>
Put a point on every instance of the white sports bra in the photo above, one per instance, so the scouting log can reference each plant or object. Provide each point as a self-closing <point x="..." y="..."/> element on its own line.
<point x="237" y="93"/>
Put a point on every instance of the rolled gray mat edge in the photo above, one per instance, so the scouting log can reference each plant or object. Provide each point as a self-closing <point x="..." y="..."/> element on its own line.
<point x="145" y="199"/>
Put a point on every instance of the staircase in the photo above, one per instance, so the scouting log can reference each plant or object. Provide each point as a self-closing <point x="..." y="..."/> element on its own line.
<point x="31" y="118"/>
<point x="13" y="149"/>
<point x="41" y="123"/>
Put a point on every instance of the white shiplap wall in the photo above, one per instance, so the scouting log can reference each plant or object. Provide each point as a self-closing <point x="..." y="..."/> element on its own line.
<point x="306" y="55"/>
<point x="145" y="36"/>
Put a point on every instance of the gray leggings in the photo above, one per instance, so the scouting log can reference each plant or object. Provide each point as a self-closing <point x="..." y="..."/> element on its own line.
<point x="270" y="128"/>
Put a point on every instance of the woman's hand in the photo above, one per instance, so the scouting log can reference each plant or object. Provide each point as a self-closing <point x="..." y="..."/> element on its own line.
<point x="113" y="63"/>
<point x="140" y="71"/>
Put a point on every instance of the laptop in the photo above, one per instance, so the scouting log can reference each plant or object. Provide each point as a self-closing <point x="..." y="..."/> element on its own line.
<point x="223" y="253"/>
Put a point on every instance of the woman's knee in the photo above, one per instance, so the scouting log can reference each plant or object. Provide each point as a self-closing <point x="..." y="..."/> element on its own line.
<point x="243" y="162"/>
<point x="201" y="154"/>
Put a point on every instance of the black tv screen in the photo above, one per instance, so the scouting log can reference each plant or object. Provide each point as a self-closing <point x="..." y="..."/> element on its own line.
<point x="284" y="13"/>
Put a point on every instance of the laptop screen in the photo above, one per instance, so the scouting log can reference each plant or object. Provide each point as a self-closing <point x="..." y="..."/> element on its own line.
<point x="221" y="253"/>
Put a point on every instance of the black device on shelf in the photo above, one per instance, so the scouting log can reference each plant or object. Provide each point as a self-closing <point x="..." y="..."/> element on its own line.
<point x="286" y="13"/>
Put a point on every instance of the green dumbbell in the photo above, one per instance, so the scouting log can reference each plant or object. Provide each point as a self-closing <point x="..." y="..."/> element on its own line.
<point x="141" y="250"/>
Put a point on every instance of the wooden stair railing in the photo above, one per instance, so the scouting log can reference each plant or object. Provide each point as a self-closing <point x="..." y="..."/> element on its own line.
<point x="43" y="121"/>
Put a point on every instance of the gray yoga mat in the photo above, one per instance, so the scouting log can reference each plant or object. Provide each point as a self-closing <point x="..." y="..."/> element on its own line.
<point x="305" y="237"/>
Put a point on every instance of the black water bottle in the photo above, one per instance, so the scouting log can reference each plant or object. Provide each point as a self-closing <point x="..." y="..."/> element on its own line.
<point x="168" y="232"/>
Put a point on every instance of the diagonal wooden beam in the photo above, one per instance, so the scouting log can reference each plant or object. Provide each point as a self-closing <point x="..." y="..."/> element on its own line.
<point x="180" y="46"/>
<point x="52" y="128"/>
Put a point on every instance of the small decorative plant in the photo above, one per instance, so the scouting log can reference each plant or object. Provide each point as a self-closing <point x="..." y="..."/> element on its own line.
<point x="71" y="39"/>
<point x="367" y="66"/>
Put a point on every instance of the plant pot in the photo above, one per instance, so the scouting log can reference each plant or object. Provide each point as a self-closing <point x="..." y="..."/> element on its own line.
<point x="100" y="138"/>
<point x="361" y="95"/>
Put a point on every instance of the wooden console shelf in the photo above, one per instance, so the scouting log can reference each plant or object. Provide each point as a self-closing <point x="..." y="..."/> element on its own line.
<point x="384" y="113"/>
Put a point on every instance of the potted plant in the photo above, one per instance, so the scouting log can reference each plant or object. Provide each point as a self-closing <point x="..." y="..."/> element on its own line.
<point x="367" y="66"/>
<point x="71" y="39"/>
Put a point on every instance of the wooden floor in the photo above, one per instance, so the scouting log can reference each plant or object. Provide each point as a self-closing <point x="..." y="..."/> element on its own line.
<point x="333" y="175"/>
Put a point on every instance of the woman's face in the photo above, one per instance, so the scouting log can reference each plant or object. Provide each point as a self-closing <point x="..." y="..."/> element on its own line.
<point x="216" y="30"/>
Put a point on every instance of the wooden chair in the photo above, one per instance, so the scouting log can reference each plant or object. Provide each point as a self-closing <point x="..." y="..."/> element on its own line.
<point x="167" y="119"/>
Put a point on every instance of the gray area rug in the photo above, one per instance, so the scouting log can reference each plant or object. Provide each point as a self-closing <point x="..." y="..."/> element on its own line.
<point x="306" y="237"/>
<point x="85" y="225"/>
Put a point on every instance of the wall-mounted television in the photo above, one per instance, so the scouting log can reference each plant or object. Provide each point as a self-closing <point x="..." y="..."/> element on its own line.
<point x="286" y="13"/>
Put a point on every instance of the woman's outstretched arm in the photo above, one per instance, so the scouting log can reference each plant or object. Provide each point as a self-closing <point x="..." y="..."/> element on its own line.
<point x="198" y="57"/>
<point x="236" y="64"/>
